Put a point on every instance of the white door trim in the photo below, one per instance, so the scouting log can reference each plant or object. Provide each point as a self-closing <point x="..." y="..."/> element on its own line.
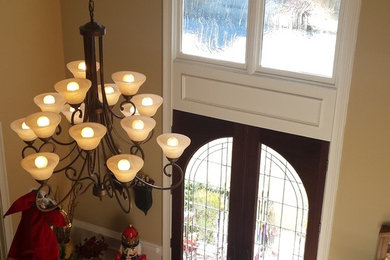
<point x="346" y="52"/>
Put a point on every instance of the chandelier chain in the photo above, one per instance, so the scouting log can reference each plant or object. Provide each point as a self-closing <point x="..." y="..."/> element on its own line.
<point x="91" y="7"/>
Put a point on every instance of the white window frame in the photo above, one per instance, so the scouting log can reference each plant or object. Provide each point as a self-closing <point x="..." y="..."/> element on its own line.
<point x="254" y="42"/>
<point x="342" y="75"/>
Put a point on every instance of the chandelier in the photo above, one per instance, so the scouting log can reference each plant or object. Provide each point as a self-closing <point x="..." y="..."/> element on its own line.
<point x="94" y="159"/>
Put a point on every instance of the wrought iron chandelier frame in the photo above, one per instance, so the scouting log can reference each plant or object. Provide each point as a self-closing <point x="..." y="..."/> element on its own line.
<point x="93" y="171"/>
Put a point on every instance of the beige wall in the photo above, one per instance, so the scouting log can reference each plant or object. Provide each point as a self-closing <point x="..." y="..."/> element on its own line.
<point x="31" y="41"/>
<point x="363" y="199"/>
<point x="31" y="61"/>
<point x="133" y="42"/>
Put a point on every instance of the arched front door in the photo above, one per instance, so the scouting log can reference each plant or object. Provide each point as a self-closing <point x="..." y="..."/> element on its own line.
<point x="249" y="193"/>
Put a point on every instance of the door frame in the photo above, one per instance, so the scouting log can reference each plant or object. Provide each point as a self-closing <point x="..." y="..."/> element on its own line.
<point x="350" y="23"/>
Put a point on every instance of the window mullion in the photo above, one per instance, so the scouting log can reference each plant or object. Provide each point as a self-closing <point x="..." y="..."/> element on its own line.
<point x="253" y="34"/>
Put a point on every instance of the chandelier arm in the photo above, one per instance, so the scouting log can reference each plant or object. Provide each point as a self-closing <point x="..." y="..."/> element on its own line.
<point x="120" y="137"/>
<point x="108" y="184"/>
<point x="174" y="186"/>
<point x="91" y="160"/>
<point x="125" y="193"/>
<point x="69" y="177"/>
<point x="110" y="143"/>
<point x="149" y="137"/>
<point x="71" y="163"/>
<point x="78" y="109"/>
<point x="69" y="153"/>
<point x="114" y="113"/>
<point x="83" y="190"/>
<point x="28" y="147"/>
<point x="62" y="143"/>
<point x="127" y="101"/>
<point x="106" y="107"/>
<point x="47" y="143"/>
<point x="58" y="130"/>
<point x="136" y="148"/>
<point x="57" y="204"/>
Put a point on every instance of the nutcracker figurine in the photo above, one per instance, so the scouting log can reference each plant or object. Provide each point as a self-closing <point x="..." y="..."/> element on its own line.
<point x="130" y="247"/>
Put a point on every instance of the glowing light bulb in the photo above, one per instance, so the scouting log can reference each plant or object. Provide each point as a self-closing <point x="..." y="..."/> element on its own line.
<point x="82" y="66"/>
<point x="172" y="141"/>
<point x="72" y="86"/>
<point x="43" y="121"/>
<point x="109" y="90"/>
<point x="87" y="132"/>
<point x="147" y="101"/>
<point x="138" y="124"/>
<point x="49" y="100"/>
<point x="24" y="126"/>
<point x="123" y="165"/>
<point x="128" y="78"/>
<point x="41" y="162"/>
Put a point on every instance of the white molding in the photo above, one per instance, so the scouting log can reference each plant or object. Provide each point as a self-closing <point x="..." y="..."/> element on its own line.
<point x="8" y="229"/>
<point x="167" y="122"/>
<point x="347" y="48"/>
<point x="81" y="230"/>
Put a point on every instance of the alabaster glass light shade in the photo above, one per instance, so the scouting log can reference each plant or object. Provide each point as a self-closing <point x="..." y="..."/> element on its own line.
<point x="43" y="124"/>
<point x="128" y="82"/>
<point x="147" y="104"/>
<point x="78" y="68"/>
<point x="138" y="127"/>
<point x="67" y="111"/>
<point x="40" y="171"/>
<point x="24" y="132"/>
<point x="128" y="110"/>
<point x="112" y="94"/>
<point x="52" y="102"/>
<point x="126" y="174"/>
<point x="173" y="145"/>
<point x="87" y="142"/>
<point x="73" y="90"/>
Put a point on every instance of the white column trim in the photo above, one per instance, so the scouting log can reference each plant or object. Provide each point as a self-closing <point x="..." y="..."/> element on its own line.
<point x="346" y="52"/>
<point x="167" y="123"/>
<point x="8" y="229"/>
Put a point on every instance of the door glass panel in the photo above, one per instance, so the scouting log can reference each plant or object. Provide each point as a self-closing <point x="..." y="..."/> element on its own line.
<point x="300" y="35"/>
<point x="282" y="210"/>
<point x="215" y="29"/>
<point x="206" y="201"/>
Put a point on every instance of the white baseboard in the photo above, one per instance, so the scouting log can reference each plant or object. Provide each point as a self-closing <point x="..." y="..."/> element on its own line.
<point x="83" y="230"/>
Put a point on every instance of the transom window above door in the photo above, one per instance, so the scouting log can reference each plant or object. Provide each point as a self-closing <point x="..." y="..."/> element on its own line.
<point x="296" y="36"/>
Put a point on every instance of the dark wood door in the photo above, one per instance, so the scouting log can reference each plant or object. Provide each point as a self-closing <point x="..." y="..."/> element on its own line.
<point x="308" y="156"/>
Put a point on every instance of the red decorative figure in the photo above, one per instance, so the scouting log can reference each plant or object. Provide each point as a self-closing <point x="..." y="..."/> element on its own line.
<point x="130" y="247"/>
<point x="34" y="239"/>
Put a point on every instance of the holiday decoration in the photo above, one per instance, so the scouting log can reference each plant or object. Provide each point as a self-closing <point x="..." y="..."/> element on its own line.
<point x="130" y="247"/>
<point x="34" y="239"/>
<point x="143" y="194"/>
<point x="91" y="248"/>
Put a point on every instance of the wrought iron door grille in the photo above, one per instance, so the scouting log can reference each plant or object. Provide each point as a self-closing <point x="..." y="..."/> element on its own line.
<point x="282" y="210"/>
<point x="206" y="201"/>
